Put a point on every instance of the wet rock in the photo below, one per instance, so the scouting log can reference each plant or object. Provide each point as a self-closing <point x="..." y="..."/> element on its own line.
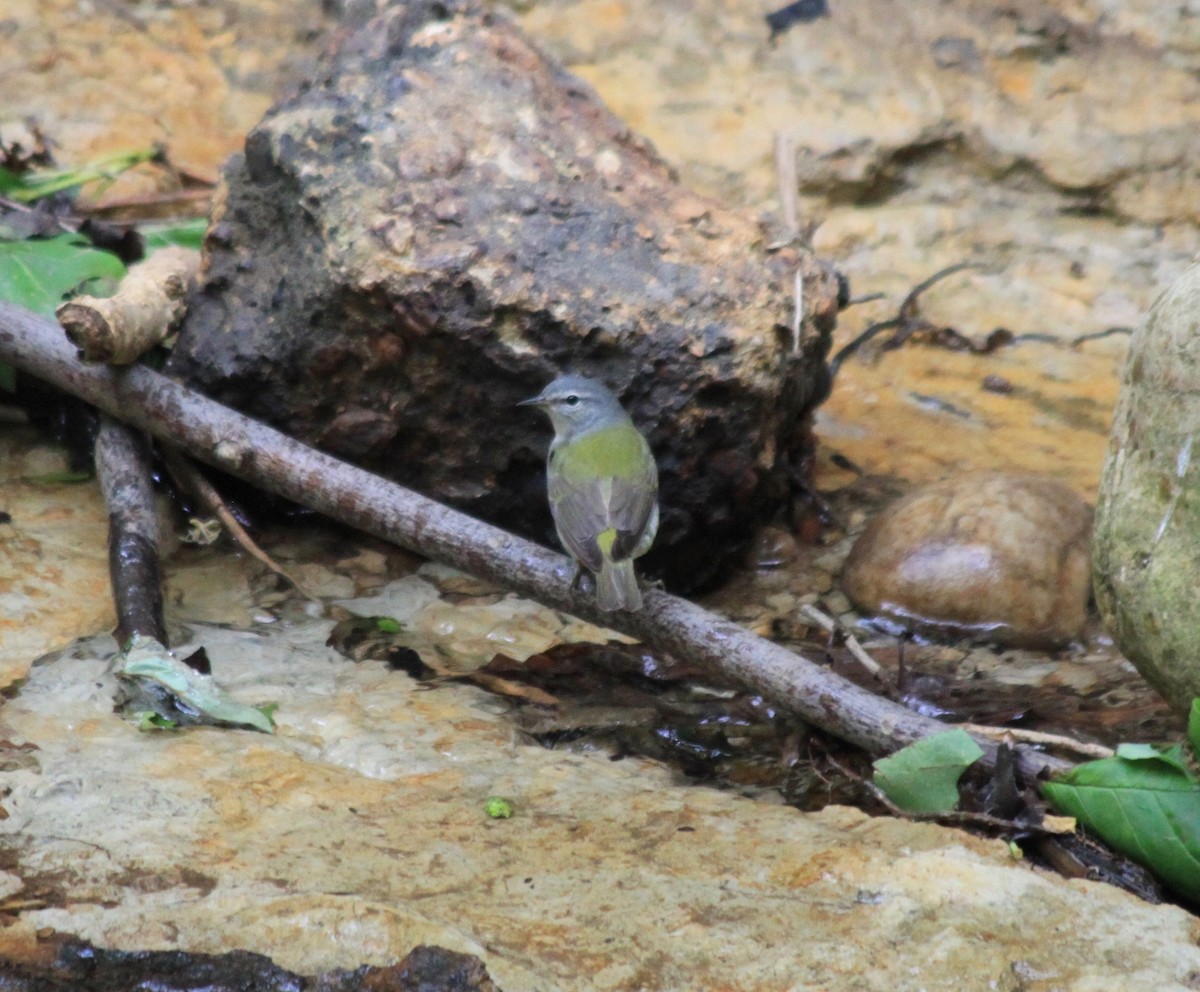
<point x="1000" y="556"/>
<point x="60" y="963"/>
<point x="773" y="547"/>
<point x="1147" y="544"/>
<point x="54" y="580"/>
<point x="441" y="221"/>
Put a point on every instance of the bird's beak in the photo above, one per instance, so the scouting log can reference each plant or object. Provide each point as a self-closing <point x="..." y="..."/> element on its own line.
<point x="532" y="401"/>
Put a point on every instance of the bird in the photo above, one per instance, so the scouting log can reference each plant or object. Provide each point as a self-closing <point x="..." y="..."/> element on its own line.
<point x="602" y="484"/>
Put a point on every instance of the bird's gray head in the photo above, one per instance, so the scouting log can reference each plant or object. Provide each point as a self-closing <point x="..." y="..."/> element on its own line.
<point x="577" y="404"/>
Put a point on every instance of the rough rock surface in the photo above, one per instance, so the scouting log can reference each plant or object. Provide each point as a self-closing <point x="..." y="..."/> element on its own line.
<point x="992" y="554"/>
<point x="442" y="221"/>
<point x="1089" y="99"/>
<point x="1147" y="544"/>
<point x="738" y="898"/>
<point x="1037" y="140"/>
<point x="358" y="831"/>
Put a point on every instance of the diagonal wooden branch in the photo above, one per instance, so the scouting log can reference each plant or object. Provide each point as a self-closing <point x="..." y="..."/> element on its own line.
<point x="248" y="449"/>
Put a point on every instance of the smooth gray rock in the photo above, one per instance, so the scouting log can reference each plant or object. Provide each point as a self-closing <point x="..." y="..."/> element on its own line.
<point x="1147" y="539"/>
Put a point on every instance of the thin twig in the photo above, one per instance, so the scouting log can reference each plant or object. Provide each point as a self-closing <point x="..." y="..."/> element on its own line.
<point x="829" y="624"/>
<point x="1041" y="738"/>
<point x="909" y="307"/>
<point x="188" y="477"/>
<point x="1100" y="335"/>
<point x="789" y="212"/>
<point x="857" y="301"/>
<point x="906" y="321"/>
<point x="785" y="172"/>
<point x="797" y="311"/>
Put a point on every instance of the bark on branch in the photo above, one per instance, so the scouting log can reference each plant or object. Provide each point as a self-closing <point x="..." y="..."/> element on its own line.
<point x="259" y="454"/>
<point x="123" y="468"/>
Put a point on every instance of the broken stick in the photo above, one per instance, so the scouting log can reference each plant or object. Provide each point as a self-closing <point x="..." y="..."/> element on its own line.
<point x="148" y="305"/>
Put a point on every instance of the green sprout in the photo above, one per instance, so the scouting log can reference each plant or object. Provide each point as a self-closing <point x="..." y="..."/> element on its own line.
<point x="497" y="807"/>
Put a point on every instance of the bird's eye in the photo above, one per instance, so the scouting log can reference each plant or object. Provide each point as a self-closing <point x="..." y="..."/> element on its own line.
<point x="572" y="400"/>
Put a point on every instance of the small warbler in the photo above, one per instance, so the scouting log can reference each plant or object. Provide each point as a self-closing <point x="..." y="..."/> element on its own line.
<point x="603" y="486"/>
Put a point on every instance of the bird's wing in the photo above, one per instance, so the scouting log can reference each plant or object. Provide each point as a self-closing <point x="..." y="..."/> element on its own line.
<point x="580" y="514"/>
<point x="630" y="506"/>
<point x="584" y="510"/>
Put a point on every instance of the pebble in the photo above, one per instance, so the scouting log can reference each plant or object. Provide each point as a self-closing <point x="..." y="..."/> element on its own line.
<point x="773" y="548"/>
<point x="994" y="556"/>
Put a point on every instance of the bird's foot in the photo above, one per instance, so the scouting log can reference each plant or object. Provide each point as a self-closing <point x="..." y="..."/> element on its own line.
<point x="582" y="580"/>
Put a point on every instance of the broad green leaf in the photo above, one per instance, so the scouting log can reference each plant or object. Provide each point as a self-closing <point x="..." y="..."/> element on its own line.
<point x="38" y="274"/>
<point x="1146" y="809"/>
<point x="923" y="777"/>
<point x="1194" y="729"/>
<point x="9" y="182"/>
<point x="1172" y="756"/>
<point x="188" y="234"/>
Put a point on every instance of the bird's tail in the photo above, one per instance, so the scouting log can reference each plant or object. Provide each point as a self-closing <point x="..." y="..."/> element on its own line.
<point x="617" y="586"/>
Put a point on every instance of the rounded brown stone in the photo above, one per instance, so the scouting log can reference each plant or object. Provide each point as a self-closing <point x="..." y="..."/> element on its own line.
<point x="999" y="556"/>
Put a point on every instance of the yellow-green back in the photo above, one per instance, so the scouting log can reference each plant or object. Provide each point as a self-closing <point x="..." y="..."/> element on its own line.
<point x="618" y="452"/>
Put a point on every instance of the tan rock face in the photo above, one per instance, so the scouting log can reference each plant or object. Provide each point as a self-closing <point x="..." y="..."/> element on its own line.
<point x="1052" y="142"/>
<point x="358" y="831"/>
<point x="1000" y="555"/>
<point x="52" y="587"/>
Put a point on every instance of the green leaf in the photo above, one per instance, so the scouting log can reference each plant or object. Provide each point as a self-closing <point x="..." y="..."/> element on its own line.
<point x="38" y="274"/>
<point x="1172" y="756"/>
<point x="1194" y="729"/>
<point x="65" y="478"/>
<point x="923" y="777"/>
<point x="155" y="679"/>
<point x="1146" y="809"/>
<point x="188" y="234"/>
<point x="386" y="625"/>
<point x="29" y="186"/>
<point x="9" y="182"/>
<point x="149" y="720"/>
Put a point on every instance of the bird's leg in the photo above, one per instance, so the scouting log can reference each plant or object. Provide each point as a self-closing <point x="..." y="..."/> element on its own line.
<point x="581" y="581"/>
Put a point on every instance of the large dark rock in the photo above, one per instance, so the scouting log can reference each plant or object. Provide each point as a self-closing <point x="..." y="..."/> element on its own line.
<point x="442" y="221"/>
